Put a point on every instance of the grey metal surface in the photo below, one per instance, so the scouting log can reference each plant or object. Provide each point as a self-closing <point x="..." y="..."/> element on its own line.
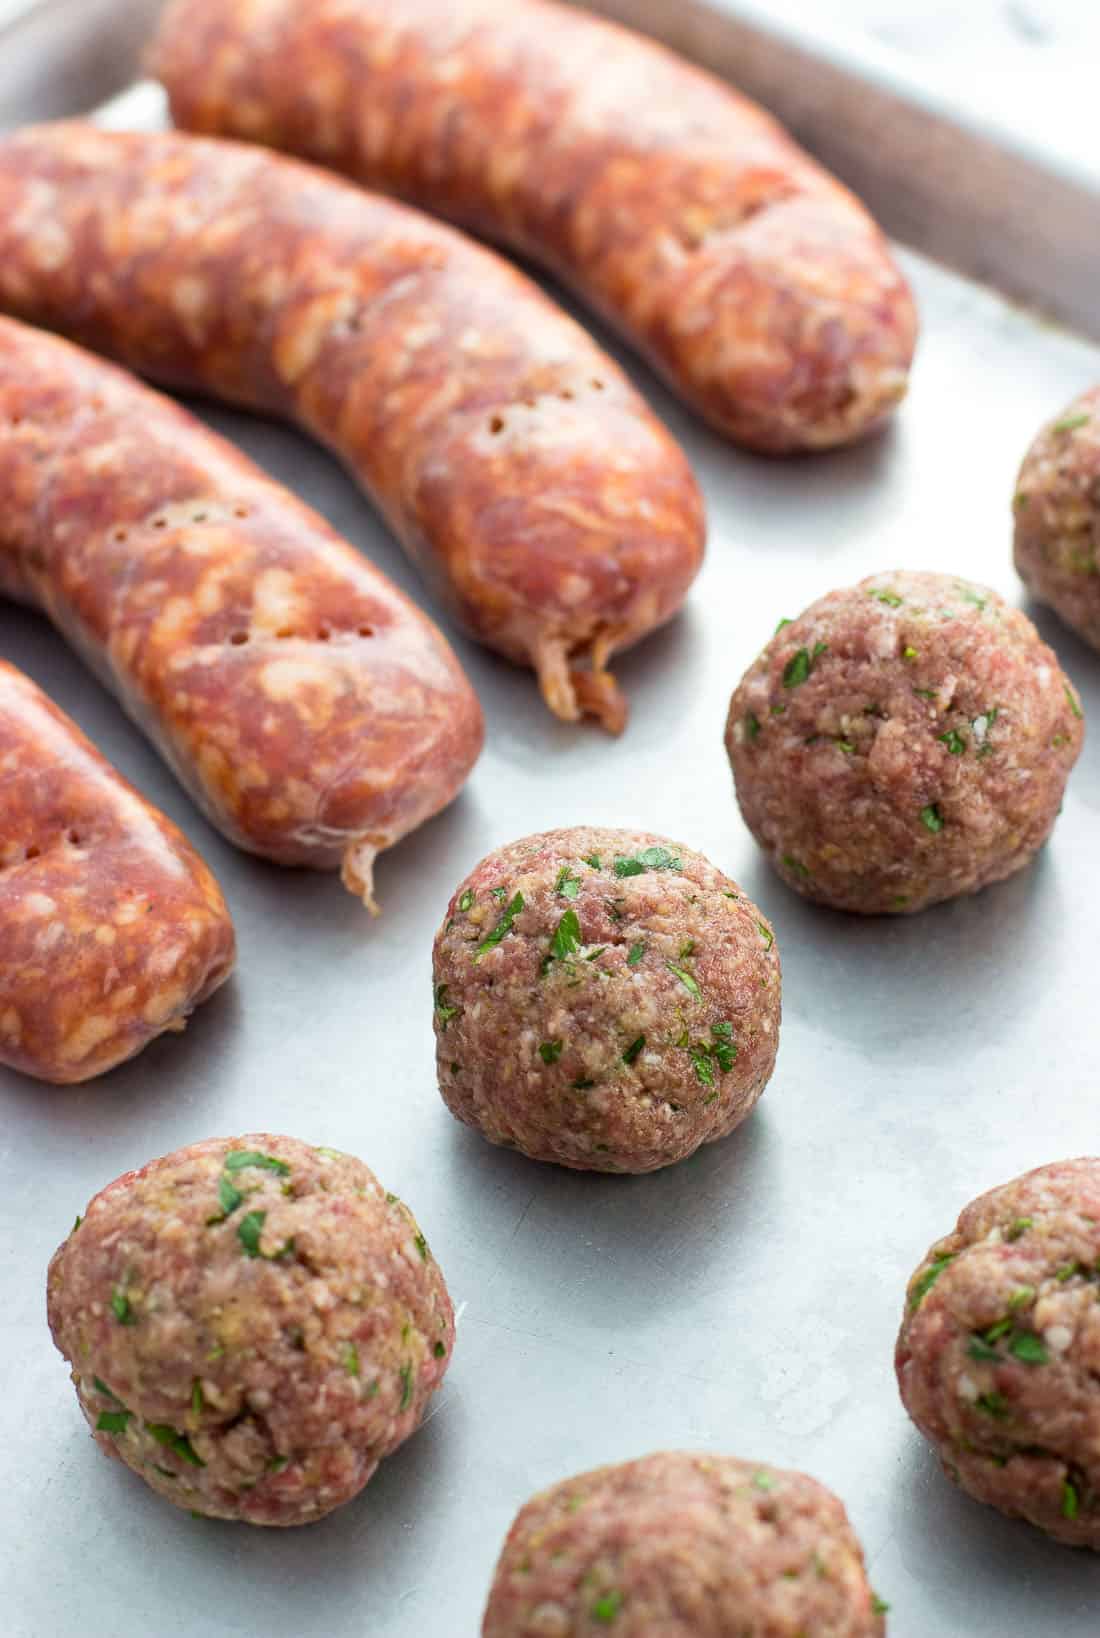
<point x="744" y="1301"/>
<point x="61" y="57"/>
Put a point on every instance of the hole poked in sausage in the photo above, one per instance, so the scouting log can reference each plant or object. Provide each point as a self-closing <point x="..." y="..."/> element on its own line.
<point x="13" y="856"/>
<point x="351" y="324"/>
<point x="497" y="422"/>
<point x="72" y="837"/>
<point x="286" y="634"/>
<point x="325" y="634"/>
<point x="194" y="511"/>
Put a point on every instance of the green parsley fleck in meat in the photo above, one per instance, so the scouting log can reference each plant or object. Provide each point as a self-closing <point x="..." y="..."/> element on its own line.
<point x="502" y="928"/>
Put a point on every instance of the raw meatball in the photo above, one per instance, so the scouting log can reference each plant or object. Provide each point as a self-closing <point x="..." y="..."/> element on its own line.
<point x="688" y="1546"/>
<point x="1057" y="508"/>
<point x="252" y="1325"/>
<point x="998" y="1358"/>
<point x="903" y="741"/>
<point x="603" y="998"/>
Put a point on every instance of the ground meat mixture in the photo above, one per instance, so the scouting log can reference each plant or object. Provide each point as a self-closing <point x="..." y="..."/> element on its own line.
<point x="903" y="741"/>
<point x="998" y="1358"/>
<point x="605" y="999"/>
<point x="1057" y="507"/>
<point x="685" y="1546"/>
<point x="253" y="1324"/>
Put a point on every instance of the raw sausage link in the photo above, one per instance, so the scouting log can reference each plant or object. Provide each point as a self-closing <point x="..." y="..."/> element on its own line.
<point x="311" y="711"/>
<point x="112" y="930"/>
<point x="750" y="278"/>
<point x="509" y="454"/>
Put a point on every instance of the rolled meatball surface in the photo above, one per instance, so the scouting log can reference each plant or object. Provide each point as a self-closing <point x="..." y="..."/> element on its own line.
<point x="903" y="741"/>
<point x="1057" y="507"/>
<point x="605" y="999"/>
<point x="998" y="1358"/>
<point x="253" y="1324"/>
<point x="687" y="1546"/>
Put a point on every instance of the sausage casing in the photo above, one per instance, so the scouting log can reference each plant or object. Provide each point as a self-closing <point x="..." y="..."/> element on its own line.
<point x="112" y="930"/>
<point x="508" y="453"/>
<point x="757" y="285"/>
<point x="312" y="712"/>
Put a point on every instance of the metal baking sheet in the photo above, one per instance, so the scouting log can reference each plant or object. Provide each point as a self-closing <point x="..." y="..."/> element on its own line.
<point x="743" y="1301"/>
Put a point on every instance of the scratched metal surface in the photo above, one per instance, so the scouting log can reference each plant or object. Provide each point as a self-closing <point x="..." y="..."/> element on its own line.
<point x="744" y="1301"/>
